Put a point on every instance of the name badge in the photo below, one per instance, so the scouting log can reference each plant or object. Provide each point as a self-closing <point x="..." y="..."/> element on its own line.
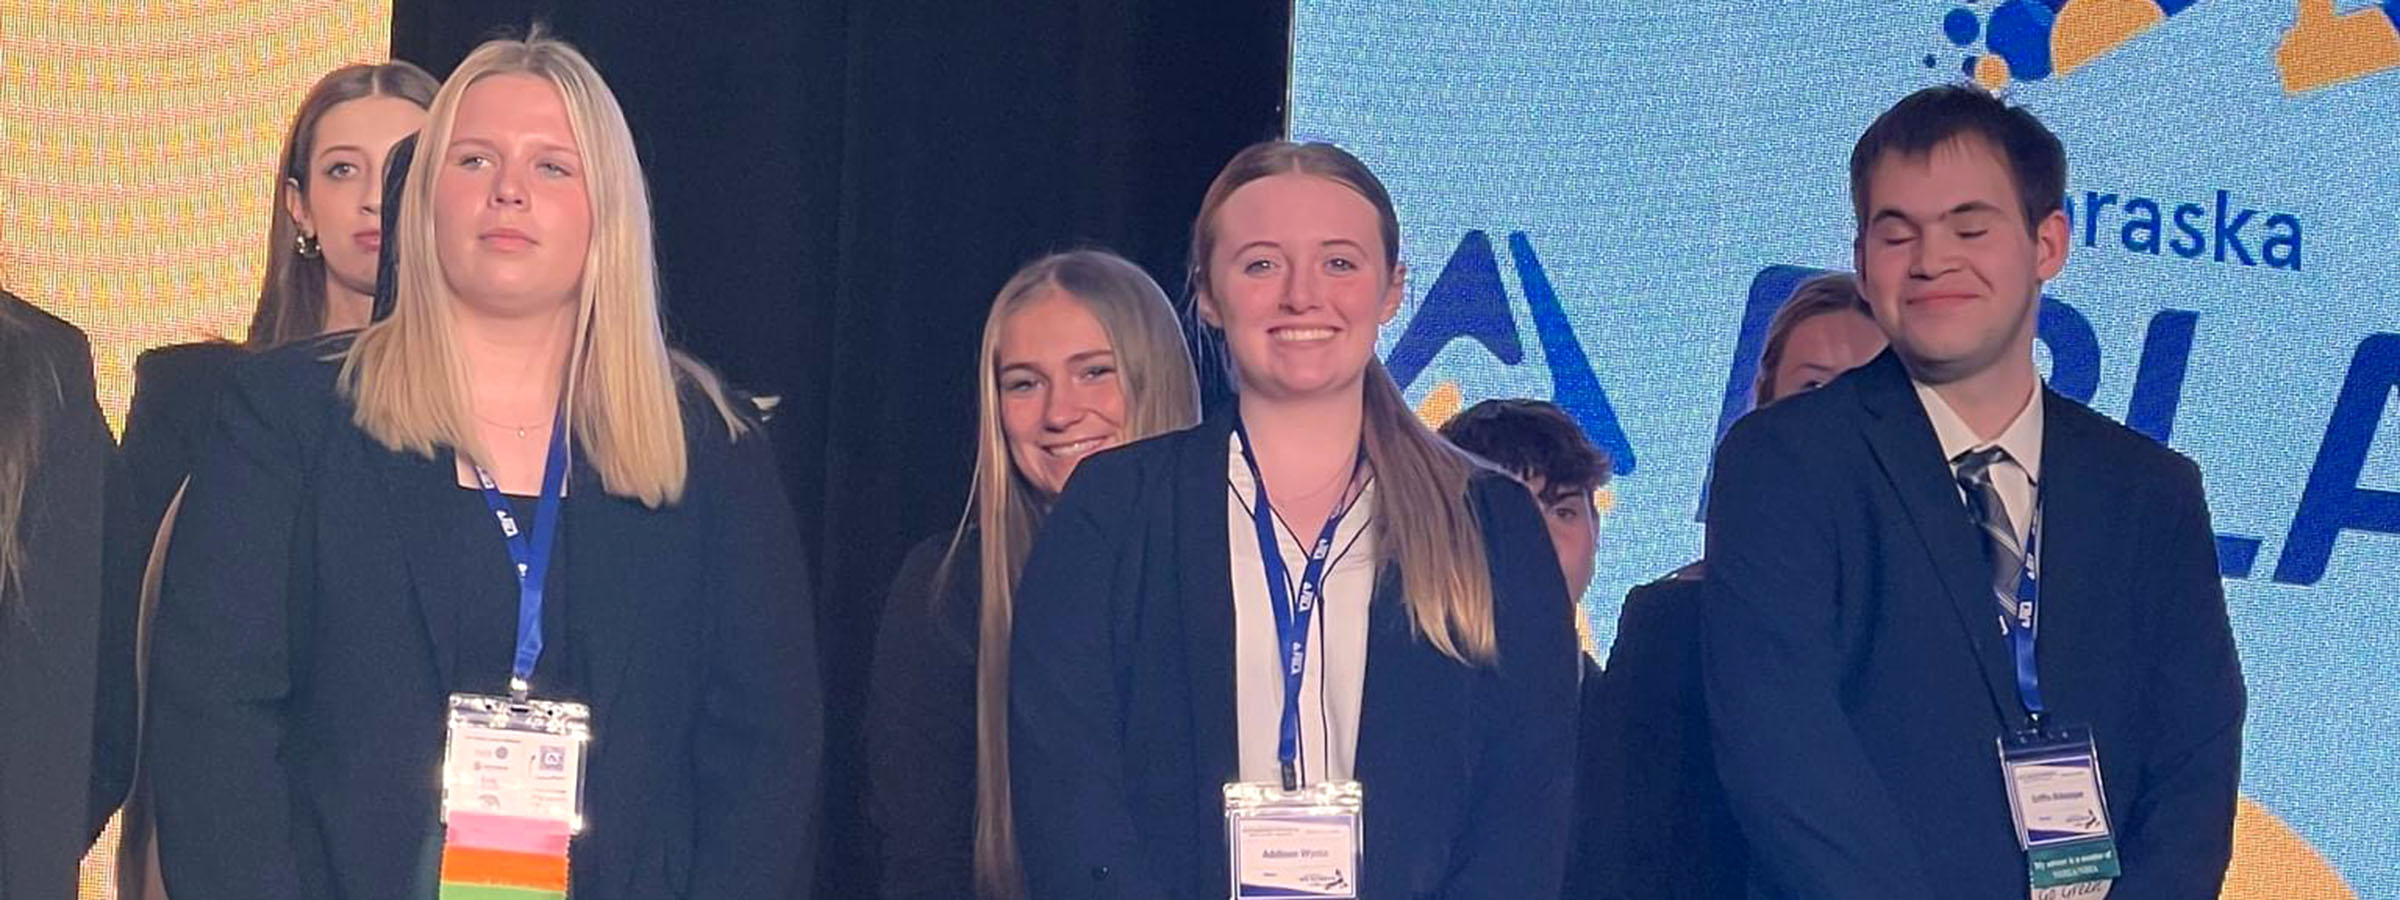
<point x="520" y="759"/>
<point x="1294" y="844"/>
<point x="2061" y="812"/>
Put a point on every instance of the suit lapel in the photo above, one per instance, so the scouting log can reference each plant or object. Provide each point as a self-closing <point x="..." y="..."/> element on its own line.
<point x="2077" y="505"/>
<point x="1202" y="563"/>
<point x="605" y="580"/>
<point x="1902" y="441"/>
<point x="416" y="491"/>
<point x="1385" y="743"/>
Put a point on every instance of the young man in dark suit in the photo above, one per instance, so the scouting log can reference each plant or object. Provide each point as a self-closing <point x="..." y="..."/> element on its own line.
<point x="1934" y="584"/>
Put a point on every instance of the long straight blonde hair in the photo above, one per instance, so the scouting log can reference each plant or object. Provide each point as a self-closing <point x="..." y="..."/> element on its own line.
<point x="1155" y="373"/>
<point x="404" y="373"/>
<point x="1425" y="524"/>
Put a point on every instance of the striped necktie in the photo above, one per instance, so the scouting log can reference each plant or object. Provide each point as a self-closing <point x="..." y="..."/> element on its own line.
<point x="1991" y="517"/>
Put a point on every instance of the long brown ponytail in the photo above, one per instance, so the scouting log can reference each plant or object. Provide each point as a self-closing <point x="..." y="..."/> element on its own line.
<point x="1427" y="524"/>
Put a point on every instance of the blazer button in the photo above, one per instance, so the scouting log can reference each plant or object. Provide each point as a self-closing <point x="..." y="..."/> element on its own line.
<point x="1099" y="873"/>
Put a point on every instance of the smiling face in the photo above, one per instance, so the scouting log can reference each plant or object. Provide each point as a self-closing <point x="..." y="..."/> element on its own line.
<point x="1060" y="397"/>
<point x="512" y="217"/>
<point x="1297" y="281"/>
<point x="1948" y="263"/>
<point x="341" y="205"/>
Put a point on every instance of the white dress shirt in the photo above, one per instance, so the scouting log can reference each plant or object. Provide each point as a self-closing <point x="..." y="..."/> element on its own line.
<point x="1336" y="674"/>
<point x="2016" y="478"/>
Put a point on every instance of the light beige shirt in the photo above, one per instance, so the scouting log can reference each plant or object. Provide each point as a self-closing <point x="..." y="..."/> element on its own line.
<point x="1336" y="675"/>
<point x="2015" y="479"/>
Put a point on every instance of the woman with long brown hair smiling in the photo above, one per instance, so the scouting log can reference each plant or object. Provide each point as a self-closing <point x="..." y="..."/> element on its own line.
<point x="1191" y="692"/>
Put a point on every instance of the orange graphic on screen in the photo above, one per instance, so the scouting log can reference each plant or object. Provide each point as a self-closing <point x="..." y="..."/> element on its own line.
<point x="2272" y="863"/>
<point x="2034" y="40"/>
<point x="2326" y="48"/>
<point x="137" y="158"/>
<point x="137" y="161"/>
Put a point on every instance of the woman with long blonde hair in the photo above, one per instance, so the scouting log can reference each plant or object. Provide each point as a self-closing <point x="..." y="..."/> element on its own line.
<point x="348" y="563"/>
<point x="1308" y="616"/>
<point x="1081" y="352"/>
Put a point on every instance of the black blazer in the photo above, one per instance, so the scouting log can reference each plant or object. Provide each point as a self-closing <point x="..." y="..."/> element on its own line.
<point x="1857" y="678"/>
<point x="1660" y="826"/>
<point x="1121" y="731"/>
<point x="311" y="626"/>
<point x="920" y="728"/>
<point x="174" y="406"/>
<point x="50" y="619"/>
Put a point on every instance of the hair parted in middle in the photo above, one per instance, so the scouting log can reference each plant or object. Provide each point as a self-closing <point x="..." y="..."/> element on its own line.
<point x="1427" y="524"/>
<point x="291" y="295"/>
<point x="1005" y="509"/>
<point x="404" y="374"/>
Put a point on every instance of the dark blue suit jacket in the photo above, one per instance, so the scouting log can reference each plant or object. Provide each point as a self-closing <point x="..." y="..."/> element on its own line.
<point x="1122" y="699"/>
<point x="313" y="620"/>
<point x="1857" y="677"/>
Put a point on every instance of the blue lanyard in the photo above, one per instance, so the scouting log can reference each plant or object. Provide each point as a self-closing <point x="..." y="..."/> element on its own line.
<point x="1292" y="619"/>
<point x="2024" y="627"/>
<point x="531" y="556"/>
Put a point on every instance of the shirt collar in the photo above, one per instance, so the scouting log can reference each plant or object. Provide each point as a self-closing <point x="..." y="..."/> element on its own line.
<point x="2022" y="438"/>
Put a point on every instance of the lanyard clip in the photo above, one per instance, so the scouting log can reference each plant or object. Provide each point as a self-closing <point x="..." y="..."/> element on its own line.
<point x="1291" y="776"/>
<point x="518" y="689"/>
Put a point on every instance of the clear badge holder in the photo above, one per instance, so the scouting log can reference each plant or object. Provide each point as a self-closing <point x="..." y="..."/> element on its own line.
<point x="2060" y="809"/>
<point x="517" y="758"/>
<point x="1303" y="843"/>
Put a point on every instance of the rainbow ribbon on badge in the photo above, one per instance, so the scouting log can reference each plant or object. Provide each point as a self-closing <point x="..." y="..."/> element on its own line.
<point x="495" y="857"/>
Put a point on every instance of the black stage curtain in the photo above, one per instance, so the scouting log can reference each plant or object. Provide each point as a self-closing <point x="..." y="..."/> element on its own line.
<point x="840" y="186"/>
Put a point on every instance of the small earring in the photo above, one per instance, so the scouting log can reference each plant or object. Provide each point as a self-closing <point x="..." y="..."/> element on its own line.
<point x="305" y="246"/>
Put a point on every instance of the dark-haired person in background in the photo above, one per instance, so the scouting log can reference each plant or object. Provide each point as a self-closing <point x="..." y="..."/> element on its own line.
<point x="1310" y="590"/>
<point x="1536" y="441"/>
<point x="54" y="457"/>
<point x="1950" y="610"/>
<point x="1663" y="830"/>
<point x="1081" y="352"/>
<point x="321" y="259"/>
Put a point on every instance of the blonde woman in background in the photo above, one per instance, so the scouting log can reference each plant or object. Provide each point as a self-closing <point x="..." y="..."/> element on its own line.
<point x="1081" y="352"/>
<point x="337" y="570"/>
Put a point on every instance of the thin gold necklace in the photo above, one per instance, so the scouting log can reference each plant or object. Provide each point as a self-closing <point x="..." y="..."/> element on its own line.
<point x="521" y="430"/>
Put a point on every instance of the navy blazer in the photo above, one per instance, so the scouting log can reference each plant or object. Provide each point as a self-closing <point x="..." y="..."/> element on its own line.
<point x="1857" y="677"/>
<point x="1651" y="795"/>
<point x="1121" y="730"/>
<point x="310" y="629"/>
<point x="50" y="616"/>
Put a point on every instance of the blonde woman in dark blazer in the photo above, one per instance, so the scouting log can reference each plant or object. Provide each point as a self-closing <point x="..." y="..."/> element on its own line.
<point x="1081" y="353"/>
<point x="337" y="571"/>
